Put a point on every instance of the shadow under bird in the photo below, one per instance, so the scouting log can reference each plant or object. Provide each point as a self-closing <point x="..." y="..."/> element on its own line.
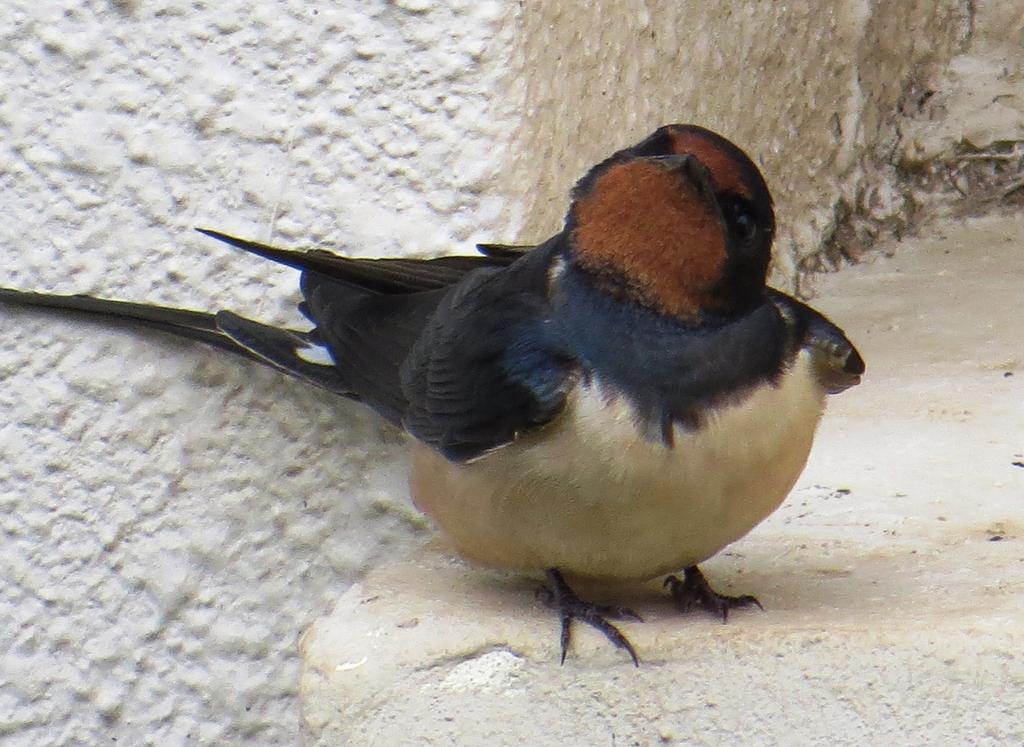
<point x="617" y="403"/>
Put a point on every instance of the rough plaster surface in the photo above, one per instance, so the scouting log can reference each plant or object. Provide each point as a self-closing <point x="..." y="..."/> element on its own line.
<point x="977" y="100"/>
<point x="965" y="138"/>
<point x="172" y="520"/>
<point x="809" y="89"/>
<point x="891" y="578"/>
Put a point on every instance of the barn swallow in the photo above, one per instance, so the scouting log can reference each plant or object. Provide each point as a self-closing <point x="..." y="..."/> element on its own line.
<point x="617" y="403"/>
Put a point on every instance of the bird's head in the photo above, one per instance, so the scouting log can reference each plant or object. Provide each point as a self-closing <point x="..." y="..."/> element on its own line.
<point x="681" y="223"/>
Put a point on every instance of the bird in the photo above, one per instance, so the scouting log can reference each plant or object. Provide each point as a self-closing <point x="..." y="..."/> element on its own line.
<point x="615" y="404"/>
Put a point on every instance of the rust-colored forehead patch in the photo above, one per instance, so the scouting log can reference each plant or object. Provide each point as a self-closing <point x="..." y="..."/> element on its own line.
<point x="726" y="169"/>
<point x="653" y="234"/>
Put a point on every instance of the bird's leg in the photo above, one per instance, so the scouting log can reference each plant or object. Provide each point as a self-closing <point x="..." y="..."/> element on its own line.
<point x="693" y="588"/>
<point x="558" y="596"/>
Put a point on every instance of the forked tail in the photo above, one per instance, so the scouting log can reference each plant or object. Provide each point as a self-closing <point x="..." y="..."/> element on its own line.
<point x="298" y="354"/>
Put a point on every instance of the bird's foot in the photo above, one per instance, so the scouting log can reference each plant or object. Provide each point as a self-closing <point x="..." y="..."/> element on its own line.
<point x="558" y="596"/>
<point x="693" y="589"/>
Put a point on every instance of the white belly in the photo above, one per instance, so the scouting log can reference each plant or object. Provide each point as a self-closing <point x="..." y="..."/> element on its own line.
<point x="591" y="496"/>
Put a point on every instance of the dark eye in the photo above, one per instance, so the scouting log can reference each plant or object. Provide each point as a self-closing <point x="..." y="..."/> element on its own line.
<point x="739" y="214"/>
<point x="745" y="226"/>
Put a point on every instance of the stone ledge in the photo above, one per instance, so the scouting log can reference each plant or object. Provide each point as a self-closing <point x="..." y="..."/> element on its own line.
<point x="891" y="577"/>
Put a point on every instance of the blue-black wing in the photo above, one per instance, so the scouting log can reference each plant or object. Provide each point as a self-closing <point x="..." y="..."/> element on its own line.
<point x="482" y="371"/>
<point x="837" y="362"/>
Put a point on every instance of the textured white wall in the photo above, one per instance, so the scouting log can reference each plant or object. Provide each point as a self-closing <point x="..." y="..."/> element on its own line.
<point x="811" y="89"/>
<point x="172" y="519"/>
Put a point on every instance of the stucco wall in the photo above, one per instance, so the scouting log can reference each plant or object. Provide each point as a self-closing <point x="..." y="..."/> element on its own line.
<point x="810" y="89"/>
<point x="173" y="520"/>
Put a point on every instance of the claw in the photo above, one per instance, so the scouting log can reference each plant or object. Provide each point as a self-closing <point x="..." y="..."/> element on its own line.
<point x="693" y="588"/>
<point x="559" y="596"/>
